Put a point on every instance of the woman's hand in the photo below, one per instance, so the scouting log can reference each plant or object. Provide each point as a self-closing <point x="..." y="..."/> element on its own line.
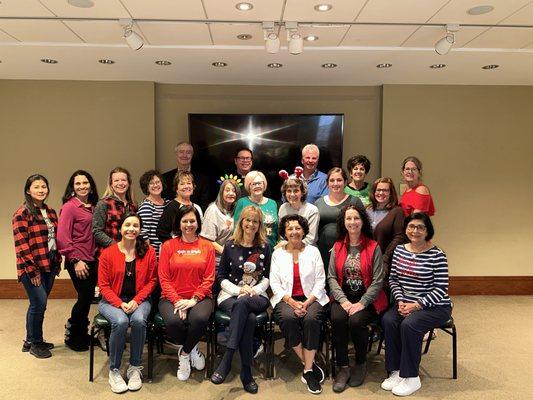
<point x="36" y="280"/>
<point x="355" y="308"/>
<point x="281" y="243"/>
<point x="132" y="306"/>
<point x="184" y="304"/>
<point x="247" y="291"/>
<point x="407" y="308"/>
<point x="124" y="307"/>
<point x="81" y="269"/>
<point x="347" y="306"/>
<point x="307" y="303"/>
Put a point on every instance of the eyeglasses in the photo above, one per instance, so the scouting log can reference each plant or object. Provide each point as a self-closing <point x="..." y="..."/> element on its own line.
<point x="156" y="183"/>
<point x="244" y="158"/>
<point x="410" y="169"/>
<point x="419" y="228"/>
<point x="257" y="183"/>
<point x="382" y="190"/>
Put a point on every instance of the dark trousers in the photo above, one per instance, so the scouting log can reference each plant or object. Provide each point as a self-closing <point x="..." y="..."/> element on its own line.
<point x="243" y="311"/>
<point x="38" y="296"/>
<point x="187" y="332"/>
<point x="403" y="337"/>
<point x="355" y="325"/>
<point x="79" y="316"/>
<point x="304" y="330"/>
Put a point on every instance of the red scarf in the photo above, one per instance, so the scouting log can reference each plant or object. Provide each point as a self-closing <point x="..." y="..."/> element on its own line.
<point x="367" y="248"/>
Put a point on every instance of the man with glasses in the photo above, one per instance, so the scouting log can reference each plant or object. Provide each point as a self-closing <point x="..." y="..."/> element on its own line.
<point x="244" y="160"/>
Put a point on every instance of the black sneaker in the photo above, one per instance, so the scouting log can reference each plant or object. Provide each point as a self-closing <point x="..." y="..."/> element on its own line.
<point x="26" y="346"/>
<point x="312" y="383"/>
<point x="40" y="350"/>
<point x="319" y="372"/>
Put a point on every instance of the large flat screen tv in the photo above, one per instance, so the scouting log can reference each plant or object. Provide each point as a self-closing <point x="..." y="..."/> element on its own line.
<point x="275" y="139"/>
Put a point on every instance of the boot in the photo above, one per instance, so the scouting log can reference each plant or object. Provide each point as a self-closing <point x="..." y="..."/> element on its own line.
<point x="76" y="337"/>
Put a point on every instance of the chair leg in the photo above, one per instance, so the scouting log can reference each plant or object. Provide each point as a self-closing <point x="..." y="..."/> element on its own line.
<point x="428" y="342"/>
<point x="327" y="336"/>
<point x="454" y="351"/>
<point x="381" y="340"/>
<point x="151" y="334"/>
<point x="91" y="354"/>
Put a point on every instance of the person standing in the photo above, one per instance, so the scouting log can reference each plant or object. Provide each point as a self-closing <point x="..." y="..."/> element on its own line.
<point x="416" y="197"/>
<point x="315" y="180"/>
<point x="358" y="167"/>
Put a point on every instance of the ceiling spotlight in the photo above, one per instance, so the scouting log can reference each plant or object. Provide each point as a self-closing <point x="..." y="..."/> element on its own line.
<point x="296" y="42"/>
<point x="444" y="45"/>
<point x="133" y="39"/>
<point x="219" y="64"/>
<point x="244" y="6"/>
<point x="437" y="66"/>
<point x="274" y="65"/>
<point x="272" y="42"/>
<point x="244" y="36"/>
<point x="490" y="66"/>
<point x="329" y="65"/>
<point x="48" y="61"/>
<point x="81" y="3"/>
<point x="384" y="65"/>
<point x="323" y="7"/>
<point x="311" y="38"/>
<point x="479" y="10"/>
<point x="163" y="62"/>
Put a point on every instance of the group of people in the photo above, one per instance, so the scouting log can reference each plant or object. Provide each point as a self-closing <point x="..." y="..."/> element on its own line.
<point x="338" y="247"/>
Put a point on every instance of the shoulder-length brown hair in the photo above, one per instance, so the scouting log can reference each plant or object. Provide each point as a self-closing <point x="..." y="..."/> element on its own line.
<point x="393" y="200"/>
<point x="260" y="236"/>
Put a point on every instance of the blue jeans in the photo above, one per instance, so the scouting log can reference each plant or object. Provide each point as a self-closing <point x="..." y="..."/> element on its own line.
<point x="38" y="296"/>
<point x="120" y="321"/>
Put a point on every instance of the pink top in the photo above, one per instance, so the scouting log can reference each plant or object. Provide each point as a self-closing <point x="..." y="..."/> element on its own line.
<point x="75" y="237"/>
<point x="412" y="200"/>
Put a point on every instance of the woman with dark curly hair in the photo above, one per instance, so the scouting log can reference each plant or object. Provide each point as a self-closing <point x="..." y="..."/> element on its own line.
<point x="358" y="167"/>
<point x="355" y="278"/>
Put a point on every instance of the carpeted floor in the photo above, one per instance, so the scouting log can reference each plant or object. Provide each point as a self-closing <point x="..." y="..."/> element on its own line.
<point x="495" y="350"/>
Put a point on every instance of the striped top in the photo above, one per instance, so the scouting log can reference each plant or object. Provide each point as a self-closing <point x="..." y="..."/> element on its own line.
<point x="150" y="214"/>
<point x="421" y="277"/>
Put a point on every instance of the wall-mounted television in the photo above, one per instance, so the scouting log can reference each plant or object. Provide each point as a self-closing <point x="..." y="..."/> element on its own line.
<point x="275" y="139"/>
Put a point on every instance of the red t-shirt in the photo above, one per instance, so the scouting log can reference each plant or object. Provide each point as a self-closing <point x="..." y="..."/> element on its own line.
<point x="297" y="290"/>
<point x="186" y="269"/>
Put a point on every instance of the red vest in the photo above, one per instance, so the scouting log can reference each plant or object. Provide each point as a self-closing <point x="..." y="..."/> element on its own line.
<point x="368" y="246"/>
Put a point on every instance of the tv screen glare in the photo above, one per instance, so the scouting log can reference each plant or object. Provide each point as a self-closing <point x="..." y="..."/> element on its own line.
<point x="275" y="139"/>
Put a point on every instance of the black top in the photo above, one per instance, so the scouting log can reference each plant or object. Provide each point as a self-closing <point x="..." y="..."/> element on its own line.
<point x="128" y="284"/>
<point x="202" y="191"/>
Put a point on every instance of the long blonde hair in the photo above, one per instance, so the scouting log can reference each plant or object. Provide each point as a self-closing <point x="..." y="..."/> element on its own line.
<point x="260" y="236"/>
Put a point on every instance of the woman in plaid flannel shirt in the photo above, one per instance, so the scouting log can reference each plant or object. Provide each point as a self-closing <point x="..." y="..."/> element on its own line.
<point x="38" y="262"/>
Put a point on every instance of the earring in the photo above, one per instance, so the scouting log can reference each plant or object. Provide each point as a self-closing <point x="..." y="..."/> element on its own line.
<point x="73" y="194"/>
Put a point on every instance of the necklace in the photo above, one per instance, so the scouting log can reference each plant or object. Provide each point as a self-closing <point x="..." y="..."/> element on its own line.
<point x="130" y="267"/>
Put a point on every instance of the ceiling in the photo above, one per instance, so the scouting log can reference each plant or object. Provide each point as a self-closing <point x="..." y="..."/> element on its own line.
<point x="356" y="35"/>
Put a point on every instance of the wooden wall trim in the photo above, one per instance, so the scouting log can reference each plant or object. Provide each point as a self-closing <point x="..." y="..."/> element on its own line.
<point x="459" y="285"/>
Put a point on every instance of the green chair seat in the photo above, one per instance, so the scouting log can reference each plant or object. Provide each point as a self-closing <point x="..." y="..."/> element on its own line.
<point x="222" y="318"/>
<point x="158" y="320"/>
<point x="100" y="321"/>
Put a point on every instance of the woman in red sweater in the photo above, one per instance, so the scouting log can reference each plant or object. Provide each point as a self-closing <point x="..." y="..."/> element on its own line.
<point x="416" y="197"/>
<point x="186" y="275"/>
<point x="127" y="275"/>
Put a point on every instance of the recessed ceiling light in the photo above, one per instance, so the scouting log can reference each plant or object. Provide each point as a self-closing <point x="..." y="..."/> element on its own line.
<point x="106" y="61"/>
<point x="490" y="66"/>
<point x="219" y="64"/>
<point x="323" y="7"/>
<point x="48" y="61"/>
<point x="274" y="65"/>
<point x="244" y="6"/>
<point x="163" y="62"/>
<point x="384" y="65"/>
<point x="81" y="3"/>
<point x="311" y="38"/>
<point x="244" y="36"/>
<point x="329" y="65"/>
<point x="437" y="66"/>
<point x="478" y="10"/>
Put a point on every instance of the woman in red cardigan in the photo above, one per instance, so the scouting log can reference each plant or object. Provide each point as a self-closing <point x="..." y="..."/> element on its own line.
<point x="186" y="275"/>
<point x="127" y="275"/>
<point x="355" y="278"/>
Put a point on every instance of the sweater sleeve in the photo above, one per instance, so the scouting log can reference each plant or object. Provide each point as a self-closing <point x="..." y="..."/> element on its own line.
<point x="397" y="238"/>
<point x="99" y="222"/>
<point x="396" y="289"/>
<point x="165" y="279"/>
<point x="375" y="287"/>
<point x="151" y="276"/>
<point x="334" y="287"/>
<point x="223" y="272"/>
<point x="440" y="282"/>
<point x="22" y="246"/>
<point x="105" y="274"/>
<point x="164" y="227"/>
<point x="206" y="286"/>
<point x="320" y="275"/>
<point x="145" y="212"/>
<point x="65" y="226"/>
<point x="275" y="276"/>
<point x="313" y="221"/>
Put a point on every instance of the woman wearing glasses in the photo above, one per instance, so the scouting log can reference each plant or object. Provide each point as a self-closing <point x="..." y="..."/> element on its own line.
<point x="416" y="197"/>
<point x="419" y="286"/>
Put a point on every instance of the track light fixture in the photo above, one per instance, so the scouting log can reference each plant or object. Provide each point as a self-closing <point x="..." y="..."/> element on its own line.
<point x="444" y="45"/>
<point x="296" y="42"/>
<point x="133" y="39"/>
<point x="272" y="42"/>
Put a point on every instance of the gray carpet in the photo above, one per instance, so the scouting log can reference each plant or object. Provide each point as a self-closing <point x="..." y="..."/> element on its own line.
<point x="495" y="350"/>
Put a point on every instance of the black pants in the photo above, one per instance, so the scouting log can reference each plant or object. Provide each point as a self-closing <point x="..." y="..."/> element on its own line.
<point x="304" y="330"/>
<point x="85" y="288"/>
<point x="187" y="332"/>
<point x="344" y="326"/>
<point x="403" y="336"/>
<point x="243" y="311"/>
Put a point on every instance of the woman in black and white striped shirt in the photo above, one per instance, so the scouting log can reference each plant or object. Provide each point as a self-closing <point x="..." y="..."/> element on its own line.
<point x="419" y="286"/>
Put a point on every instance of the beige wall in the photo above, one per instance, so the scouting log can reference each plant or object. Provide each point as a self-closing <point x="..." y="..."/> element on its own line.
<point x="360" y="105"/>
<point x="476" y="144"/>
<point x="56" y="127"/>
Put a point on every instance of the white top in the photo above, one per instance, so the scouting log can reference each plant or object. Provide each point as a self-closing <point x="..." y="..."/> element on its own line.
<point x="308" y="211"/>
<point x="312" y="274"/>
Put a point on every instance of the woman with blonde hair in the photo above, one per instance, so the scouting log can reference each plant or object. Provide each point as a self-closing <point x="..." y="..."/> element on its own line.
<point x="243" y="277"/>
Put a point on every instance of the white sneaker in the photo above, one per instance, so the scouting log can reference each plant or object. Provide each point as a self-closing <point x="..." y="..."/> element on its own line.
<point x="134" y="376"/>
<point x="393" y="380"/>
<point x="117" y="382"/>
<point x="407" y="386"/>
<point x="197" y="359"/>
<point x="184" y="368"/>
